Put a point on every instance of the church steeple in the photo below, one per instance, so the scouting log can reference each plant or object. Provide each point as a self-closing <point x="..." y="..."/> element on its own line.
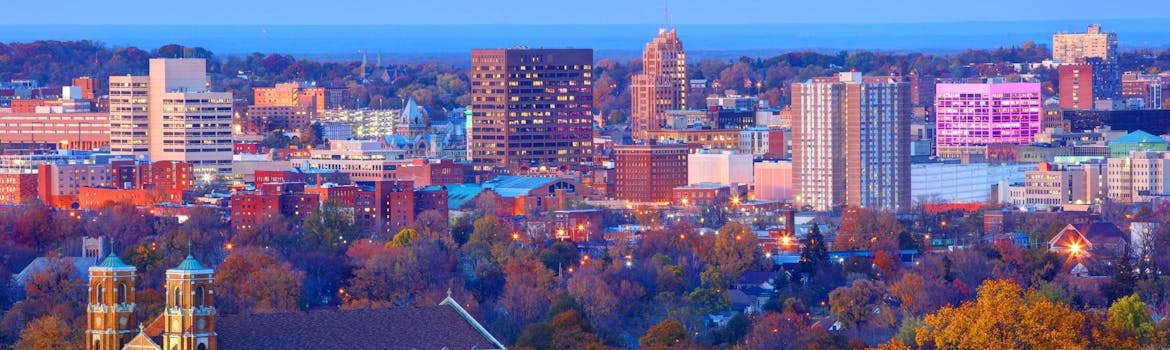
<point x="111" y="311"/>
<point x="365" y="63"/>
<point x="189" y="316"/>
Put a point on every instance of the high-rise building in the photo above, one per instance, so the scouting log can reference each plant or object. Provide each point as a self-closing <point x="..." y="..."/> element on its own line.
<point x="530" y="107"/>
<point x="1070" y="47"/>
<point x="662" y="86"/>
<point x="129" y="120"/>
<point x="851" y="142"/>
<point x="968" y="117"/>
<point x="649" y="172"/>
<point x="1076" y="86"/>
<point x="188" y="122"/>
<point x="171" y="115"/>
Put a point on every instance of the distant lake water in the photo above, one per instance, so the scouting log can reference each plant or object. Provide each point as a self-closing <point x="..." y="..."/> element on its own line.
<point x="452" y="42"/>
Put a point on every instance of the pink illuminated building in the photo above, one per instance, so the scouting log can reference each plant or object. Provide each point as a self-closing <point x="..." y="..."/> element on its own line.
<point x="971" y="116"/>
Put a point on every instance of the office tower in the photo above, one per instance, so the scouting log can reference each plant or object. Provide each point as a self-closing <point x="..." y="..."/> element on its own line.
<point x="851" y="142"/>
<point x="1071" y="47"/>
<point x="649" y="172"/>
<point x="171" y="115"/>
<point x="662" y="85"/>
<point x="530" y="107"/>
<point x="129" y="120"/>
<point x="968" y="117"/>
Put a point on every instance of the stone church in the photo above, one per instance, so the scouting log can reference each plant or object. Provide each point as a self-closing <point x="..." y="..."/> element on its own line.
<point x="189" y="320"/>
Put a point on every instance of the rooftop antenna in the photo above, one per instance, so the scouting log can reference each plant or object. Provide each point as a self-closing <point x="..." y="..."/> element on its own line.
<point x="666" y="12"/>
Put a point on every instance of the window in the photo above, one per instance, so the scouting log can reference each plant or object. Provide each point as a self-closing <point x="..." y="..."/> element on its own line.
<point x="122" y="293"/>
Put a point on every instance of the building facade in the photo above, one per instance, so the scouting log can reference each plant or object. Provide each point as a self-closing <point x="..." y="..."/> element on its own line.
<point x="1070" y="47"/>
<point x="662" y="85"/>
<point x="722" y="167"/>
<point x="649" y="172"/>
<point x="851" y="143"/>
<point x="530" y="107"/>
<point x="129" y="116"/>
<point x="1139" y="177"/>
<point x="1076" y="86"/>
<point x="971" y="116"/>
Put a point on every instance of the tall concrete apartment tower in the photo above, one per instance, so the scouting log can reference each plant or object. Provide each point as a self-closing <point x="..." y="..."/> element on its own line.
<point x="1096" y="49"/>
<point x="129" y="120"/>
<point x="530" y="107"/>
<point x="1093" y="43"/>
<point x="171" y="115"/>
<point x="850" y="143"/>
<point x="662" y="85"/>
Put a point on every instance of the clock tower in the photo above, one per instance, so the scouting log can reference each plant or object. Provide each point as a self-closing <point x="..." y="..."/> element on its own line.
<point x="110" y="313"/>
<point x="189" y="316"/>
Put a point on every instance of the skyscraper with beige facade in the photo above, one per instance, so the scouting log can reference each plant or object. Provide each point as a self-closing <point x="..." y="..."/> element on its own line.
<point x="662" y="85"/>
<point x="1093" y="43"/>
<point x="172" y="115"/>
<point x="850" y="143"/>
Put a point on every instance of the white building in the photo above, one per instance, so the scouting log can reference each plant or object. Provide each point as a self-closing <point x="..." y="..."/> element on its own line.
<point x="1140" y="177"/>
<point x="722" y="167"/>
<point x="953" y="182"/>
<point x="171" y="115"/>
<point x="362" y="160"/>
<point x="773" y="181"/>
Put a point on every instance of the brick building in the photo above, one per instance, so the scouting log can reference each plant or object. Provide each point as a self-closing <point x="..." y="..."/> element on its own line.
<point x="649" y="172"/>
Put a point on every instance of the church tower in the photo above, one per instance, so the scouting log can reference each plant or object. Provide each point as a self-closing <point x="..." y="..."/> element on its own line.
<point x="110" y="315"/>
<point x="189" y="316"/>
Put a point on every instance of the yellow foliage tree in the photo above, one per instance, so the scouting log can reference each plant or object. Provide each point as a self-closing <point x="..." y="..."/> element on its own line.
<point x="1004" y="316"/>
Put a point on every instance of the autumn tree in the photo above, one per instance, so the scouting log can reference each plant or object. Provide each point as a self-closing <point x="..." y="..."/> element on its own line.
<point x="734" y="252"/>
<point x="663" y="335"/>
<point x="777" y="330"/>
<point x="863" y="303"/>
<point x="49" y="333"/>
<point x="1004" y="316"/>
<point x="571" y="331"/>
<point x="404" y="237"/>
<point x="863" y="229"/>
<point x="254" y="280"/>
<point x="910" y="292"/>
<point x="527" y="289"/>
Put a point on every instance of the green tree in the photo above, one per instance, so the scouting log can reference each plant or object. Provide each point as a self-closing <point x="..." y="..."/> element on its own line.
<point x="1129" y="314"/>
<point x="813" y="253"/>
<point x="329" y="228"/>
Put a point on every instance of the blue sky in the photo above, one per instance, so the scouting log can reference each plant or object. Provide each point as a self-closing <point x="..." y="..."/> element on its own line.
<point x="334" y="12"/>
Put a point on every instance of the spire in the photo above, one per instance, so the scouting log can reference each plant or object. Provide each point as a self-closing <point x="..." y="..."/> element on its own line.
<point x="378" y="64"/>
<point x="112" y="259"/>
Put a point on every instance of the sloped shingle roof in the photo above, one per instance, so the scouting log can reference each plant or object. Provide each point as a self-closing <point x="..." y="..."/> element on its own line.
<point x="433" y="327"/>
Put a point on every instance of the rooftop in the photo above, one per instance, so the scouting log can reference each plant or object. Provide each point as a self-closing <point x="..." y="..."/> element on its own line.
<point x="431" y="327"/>
<point x="1140" y="137"/>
